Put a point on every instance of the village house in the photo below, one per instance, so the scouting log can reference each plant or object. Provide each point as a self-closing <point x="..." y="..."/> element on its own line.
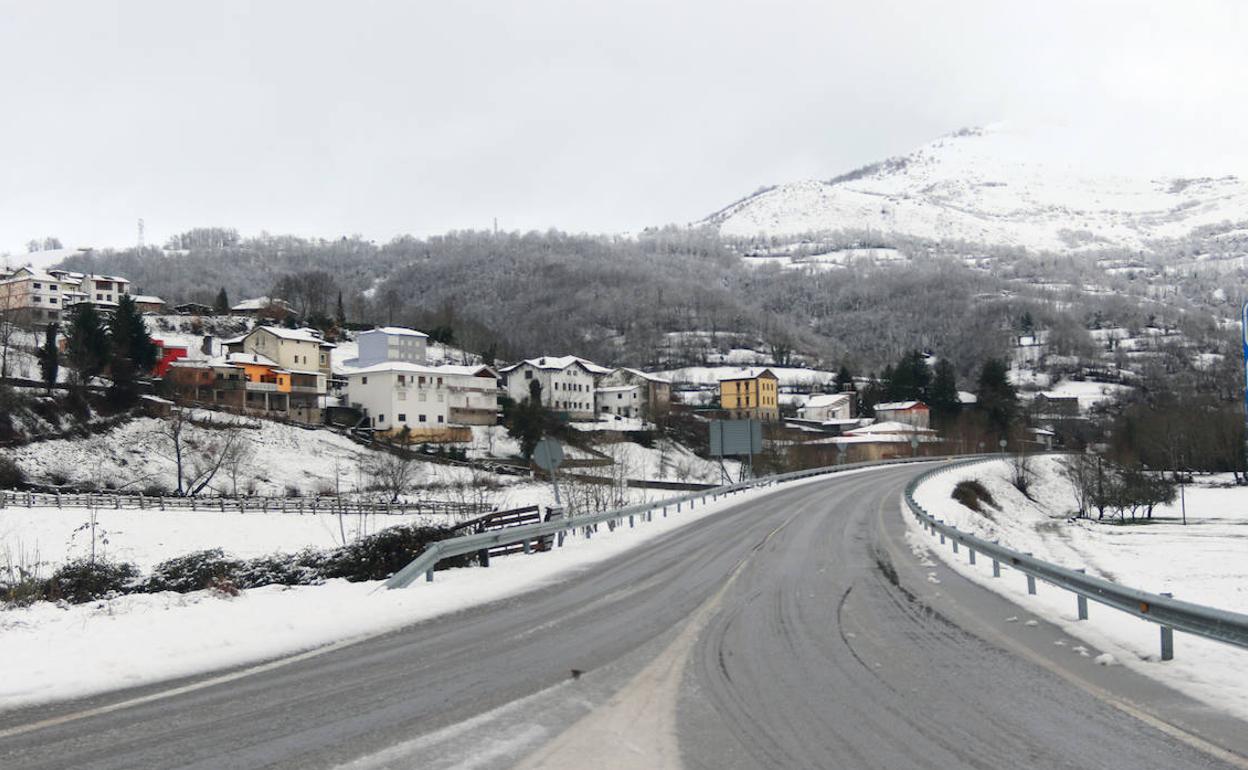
<point x="633" y="393"/>
<point x="425" y="400"/>
<point x="40" y="297"/>
<point x="751" y="395"/>
<point x="1055" y="406"/>
<point x="392" y="343"/>
<point x="166" y="354"/>
<point x="827" y="407"/>
<point x="298" y="350"/>
<point x="146" y="303"/>
<point x="913" y="413"/>
<point x="251" y="383"/>
<point x="266" y="307"/>
<point x="568" y="383"/>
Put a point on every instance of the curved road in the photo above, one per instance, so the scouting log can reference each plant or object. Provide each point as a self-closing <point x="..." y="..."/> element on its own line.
<point x="794" y="630"/>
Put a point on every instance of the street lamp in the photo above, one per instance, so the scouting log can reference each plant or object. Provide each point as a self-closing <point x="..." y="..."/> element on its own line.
<point x="1003" y="444"/>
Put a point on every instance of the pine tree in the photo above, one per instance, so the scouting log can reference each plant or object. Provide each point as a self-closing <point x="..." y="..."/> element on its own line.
<point x="844" y="380"/>
<point x="341" y="312"/>
<point x="222" y="305"/>
<point x="49" y="358"/>
<point x="997" y="397"/>
<point x="131" y="351"/>
<point x="943" y="395"/>
<point x="86" y="344"/>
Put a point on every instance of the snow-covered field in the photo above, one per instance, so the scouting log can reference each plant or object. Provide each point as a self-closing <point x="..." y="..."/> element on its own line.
<point x="710" y="375"/>
<point x="143" y="639"/>
<point x="1203" y="562"/>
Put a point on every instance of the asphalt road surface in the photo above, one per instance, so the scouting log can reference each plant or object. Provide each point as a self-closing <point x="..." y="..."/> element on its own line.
<point x="795" y="630"/>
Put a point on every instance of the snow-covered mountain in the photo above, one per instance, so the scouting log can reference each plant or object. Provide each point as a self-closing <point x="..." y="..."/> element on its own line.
<point x="997" y="185"/>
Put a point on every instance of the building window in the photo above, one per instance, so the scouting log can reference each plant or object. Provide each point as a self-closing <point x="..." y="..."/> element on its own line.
<point x="381" y="418"/>
<point x="402" y="417"/>
<point x="440" y="419"/>
<point x="363" y="380"/>
<point x="402" y="380"/>
<point x="422" y="418"/>
<point x="528" y="374"/>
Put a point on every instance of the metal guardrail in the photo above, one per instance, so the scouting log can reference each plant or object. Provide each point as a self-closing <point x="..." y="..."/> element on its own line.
<point x="1170" y="613"/>
<point x="467" y="544"/>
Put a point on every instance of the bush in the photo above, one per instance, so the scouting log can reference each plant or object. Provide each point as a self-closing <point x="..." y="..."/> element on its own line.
<point x="85" y="580"/>
<point x="193" y="572"/>
<point x="11" y="474"/>
<point x="380" y="555"/>
<point x="300" y="569"/>
<point x="973" y="495"/>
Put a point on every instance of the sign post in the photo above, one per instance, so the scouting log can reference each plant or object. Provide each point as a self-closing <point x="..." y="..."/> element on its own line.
<point x="736" y="438"/>
<point x="549" y="456"/>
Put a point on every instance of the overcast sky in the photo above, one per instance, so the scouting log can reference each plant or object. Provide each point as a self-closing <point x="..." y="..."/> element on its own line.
<point x="332" y="118"/>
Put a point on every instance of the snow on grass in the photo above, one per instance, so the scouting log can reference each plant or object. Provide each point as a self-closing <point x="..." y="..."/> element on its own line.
<point x="710" y="375"/>
<point x="135" y="456"/>
<point x="54" y="652"/>
<point x="1202" y="562"/>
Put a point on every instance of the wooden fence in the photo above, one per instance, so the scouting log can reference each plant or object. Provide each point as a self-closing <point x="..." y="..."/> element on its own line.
<point x="296" y="505"/>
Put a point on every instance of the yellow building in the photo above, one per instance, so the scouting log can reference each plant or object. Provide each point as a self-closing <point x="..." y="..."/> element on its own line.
<point x="752" y="395"/>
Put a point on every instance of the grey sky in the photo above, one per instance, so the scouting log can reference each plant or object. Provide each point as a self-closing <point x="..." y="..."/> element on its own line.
<point x="325" y="119"/>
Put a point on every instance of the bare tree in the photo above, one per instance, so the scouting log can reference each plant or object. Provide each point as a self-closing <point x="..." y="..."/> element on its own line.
<point x="197" y="456"/>
<point x="393" y="472"/>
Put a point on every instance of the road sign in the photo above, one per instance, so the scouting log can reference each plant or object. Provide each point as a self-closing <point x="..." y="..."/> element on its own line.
<point x="736" y="438"/>
<point x="548" y="454"/>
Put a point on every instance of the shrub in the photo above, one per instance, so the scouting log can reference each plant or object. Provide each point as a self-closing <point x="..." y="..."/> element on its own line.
<point x="11" y="474"/>
<point x="380" y="555"/>
<point x="85" y="580"/>
<point x="300" y="569"/>
<point x="973" y="495"/>
<point x="193" y="572"/>
<point x="293" y="491"/>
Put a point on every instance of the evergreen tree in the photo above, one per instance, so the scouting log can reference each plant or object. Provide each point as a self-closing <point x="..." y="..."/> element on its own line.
<point x="341" y="313"/>
<point x="911" y="379"/>
<point x="528" y="420"/>
<point x="132" y="353"/>
<point x="222" y="305"/>
<point x="997" y="397"/>
<point x="844" y="380"/>
<point x="49" y="357"/>
<point x="86" y="344"/>
<point x="943" y="395"/>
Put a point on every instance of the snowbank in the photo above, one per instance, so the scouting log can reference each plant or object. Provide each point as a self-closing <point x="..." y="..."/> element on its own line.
<point x="1202" y="562"/>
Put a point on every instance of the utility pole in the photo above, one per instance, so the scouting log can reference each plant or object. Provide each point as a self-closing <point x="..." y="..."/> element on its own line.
<point x="1243" y="327"/>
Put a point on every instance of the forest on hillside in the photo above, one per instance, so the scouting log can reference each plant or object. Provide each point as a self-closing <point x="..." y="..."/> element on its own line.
<point x="622" y="300"/>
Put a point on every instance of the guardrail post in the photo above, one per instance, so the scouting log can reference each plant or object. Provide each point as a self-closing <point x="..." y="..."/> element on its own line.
<point x="483" y="556"/>
<point x="429" y="575"/>
<point x="971" y="551"/>
<point x="954" y="540"/>
<point x="1167" y="637"/>
<point x="528" y="548"/>
<point x="1031" y="584"/>
<point x="942" y="532"/>
<point x="630" y="521"/>
<point x="996" y="565"/>
<point x="1081" y="601"/>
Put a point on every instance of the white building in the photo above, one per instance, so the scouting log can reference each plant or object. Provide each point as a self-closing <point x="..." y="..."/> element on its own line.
<point x="392" y="343"/>
<point x="568" y="383"/>
<point x="42" y="296"/>
<point x="913" y="413"/>
<point x="827" y="407"/>
<point x="394" y="395"/>
<point x="621" y="400"/>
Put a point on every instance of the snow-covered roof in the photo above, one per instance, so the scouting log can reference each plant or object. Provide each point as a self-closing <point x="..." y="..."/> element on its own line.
<point x="396" y="331"/>
<point x="825" y="399"/>
<point x="617" y="388"/>
<point x="259" y="303"/>
<point x="899" y="406"/>
<point x="559" y="363"/>
<point x="878" y="428"/>
<point x="298" y="335"/>
<point x="966" y="397"/>
<point x="149" y="299"/>
<point x="646" y="376"/>
<point x="1050" y="395"/>
<point x="748" y="374"/>
<point x="249" y="358"/>
<point x="409" y="368"/>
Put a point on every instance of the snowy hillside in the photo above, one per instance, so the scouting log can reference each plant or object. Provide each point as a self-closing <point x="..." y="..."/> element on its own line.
<point x="1001" y="185"/>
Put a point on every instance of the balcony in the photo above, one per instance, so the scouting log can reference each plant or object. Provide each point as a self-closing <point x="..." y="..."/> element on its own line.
<point x="312" y="389"/>
<point x="262" y="387"/>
